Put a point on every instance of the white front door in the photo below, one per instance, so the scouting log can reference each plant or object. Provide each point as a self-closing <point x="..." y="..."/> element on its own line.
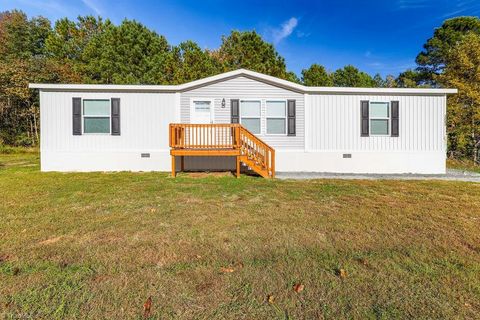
<point x="202" y="111"/>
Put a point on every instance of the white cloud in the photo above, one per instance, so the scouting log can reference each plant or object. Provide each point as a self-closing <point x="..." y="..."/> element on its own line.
<point x="286" y="30"/>
<point x="93" y="6"/>
<point x="412" y="4"/>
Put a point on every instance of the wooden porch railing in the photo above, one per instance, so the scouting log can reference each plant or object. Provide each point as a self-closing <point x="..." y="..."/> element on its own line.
<point x="222" y="140"/>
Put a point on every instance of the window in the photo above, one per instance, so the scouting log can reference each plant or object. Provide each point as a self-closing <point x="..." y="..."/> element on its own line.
<point x="96" y="116"/>
<point x="202" y="106"/>
<point x="276" y="117"/>
<point x="379" y="118"/>
<point x="250" y="115"/>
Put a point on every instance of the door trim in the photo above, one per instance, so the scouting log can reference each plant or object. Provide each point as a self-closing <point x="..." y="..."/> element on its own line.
<point x="212" y="108"/>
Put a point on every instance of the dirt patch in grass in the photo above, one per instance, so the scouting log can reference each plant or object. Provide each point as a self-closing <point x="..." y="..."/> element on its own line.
<point x="213" y="246"/>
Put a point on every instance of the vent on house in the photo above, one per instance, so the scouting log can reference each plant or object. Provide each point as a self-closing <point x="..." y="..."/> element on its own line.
<point x="145" y="155"/>
<point x="347" y="155"/>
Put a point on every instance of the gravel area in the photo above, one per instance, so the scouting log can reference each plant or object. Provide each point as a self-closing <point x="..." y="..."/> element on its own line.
<point x="451" y="175"/>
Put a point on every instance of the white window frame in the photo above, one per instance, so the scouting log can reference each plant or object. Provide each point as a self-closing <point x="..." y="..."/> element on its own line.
<point x="212" y="107"/>
<point x="267" y="117"/>
<point x="370" y="118"/>
<point x="97" y="116"/>
<point x="259" y="117"/>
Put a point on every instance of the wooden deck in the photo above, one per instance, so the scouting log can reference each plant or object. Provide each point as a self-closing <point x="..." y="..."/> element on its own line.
<point x="222" y="140"/>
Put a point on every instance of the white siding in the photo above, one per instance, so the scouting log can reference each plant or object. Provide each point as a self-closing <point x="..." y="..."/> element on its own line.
<point x="332" y="129"/>
<point x="246" y="88"/>
<point x="144" y="129"/>
<point x="334" y="124"/>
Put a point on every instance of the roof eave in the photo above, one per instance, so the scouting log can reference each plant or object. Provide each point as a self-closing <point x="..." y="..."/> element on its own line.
<point x="238" y="73"/>
<point x="101" y="87"/>
<point x="350" y="90"/>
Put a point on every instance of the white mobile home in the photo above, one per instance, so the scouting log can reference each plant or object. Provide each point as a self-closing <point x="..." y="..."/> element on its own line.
<point x="311" y="129"/>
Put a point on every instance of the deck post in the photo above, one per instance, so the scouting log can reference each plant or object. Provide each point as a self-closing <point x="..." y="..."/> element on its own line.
<point x="182" y="163"/>
<point x="238" y="166"/>
<point x="173" y="166"/>
<point x="273" y="163"/>
<point x="237" y="137"/>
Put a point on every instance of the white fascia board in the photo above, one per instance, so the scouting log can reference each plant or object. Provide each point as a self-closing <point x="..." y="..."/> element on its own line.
<point x="101" y="87"/>
<point x="416" y="91"/>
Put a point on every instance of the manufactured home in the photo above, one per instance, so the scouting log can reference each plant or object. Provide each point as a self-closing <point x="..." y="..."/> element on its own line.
<point x="242" y="119"/>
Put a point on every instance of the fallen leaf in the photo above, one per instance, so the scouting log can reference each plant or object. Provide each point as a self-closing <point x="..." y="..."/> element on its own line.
<point x="298" y="287"/>
<point x="16" y="271"/>
<point x="270" y="299"/>
<point x="147" y="308"/>
<point x="468" y="305"/>
<point x="342" y="273"/>
<point x="153" y="210"/>
<point x="227" y="270"/>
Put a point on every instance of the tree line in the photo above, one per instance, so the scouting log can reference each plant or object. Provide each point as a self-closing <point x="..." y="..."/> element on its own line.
<point x="93" y="50"/>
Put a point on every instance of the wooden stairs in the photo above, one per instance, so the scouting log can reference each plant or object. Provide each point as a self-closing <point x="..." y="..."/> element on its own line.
<point x="222" y="140"/>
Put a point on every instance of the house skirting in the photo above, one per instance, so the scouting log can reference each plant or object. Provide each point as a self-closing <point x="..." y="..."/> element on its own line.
<point x="362" y="162"/>
<point x="286" y="161"/>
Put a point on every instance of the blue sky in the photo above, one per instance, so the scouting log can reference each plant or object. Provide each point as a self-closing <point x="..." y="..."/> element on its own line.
<point x="381" y="36"/>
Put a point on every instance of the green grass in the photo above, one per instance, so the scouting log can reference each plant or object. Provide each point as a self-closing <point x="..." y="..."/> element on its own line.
<point x="465" y="164"/>
<point x="4" y="149"/>
<point x="97" y="245"/>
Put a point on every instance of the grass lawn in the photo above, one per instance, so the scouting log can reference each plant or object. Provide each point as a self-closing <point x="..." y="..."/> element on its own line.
<point x="466" y="165"/>
<point x="97" y="245"/>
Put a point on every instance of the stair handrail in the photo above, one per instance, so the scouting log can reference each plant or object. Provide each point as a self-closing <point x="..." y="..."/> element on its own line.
<point x="267" y="159"/>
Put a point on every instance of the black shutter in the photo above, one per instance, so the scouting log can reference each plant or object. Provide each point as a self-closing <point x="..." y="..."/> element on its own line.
<point x="395" y="116"/>
<point x="115" y="116"/>
<point x="364" y="114"/>
<point x="291" y="117"/>
<point x="234" y="110"/>
<point x="77" y="116"/>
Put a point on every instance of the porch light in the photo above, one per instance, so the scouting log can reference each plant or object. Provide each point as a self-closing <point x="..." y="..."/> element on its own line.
<point x="223" y="103"/>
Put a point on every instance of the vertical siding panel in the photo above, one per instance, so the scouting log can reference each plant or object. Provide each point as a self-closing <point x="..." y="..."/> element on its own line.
<point x="438" y="132"/>
<point x="409" y="125"/>
<point x="352" y="125"/>
<point x="436" y="125"/>
<point x="424" y="123"/>
<point x="328" y="129"/>
<point x="339" y="133"/>
<point x="430" y="118"/>
<point x="415" y="115"/>
<point x="323" y="115"/>
<point x="334" y="124"/>
<point x="145" y="119"/>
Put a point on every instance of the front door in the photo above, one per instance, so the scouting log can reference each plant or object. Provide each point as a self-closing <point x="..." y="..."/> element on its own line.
<point x="202" y="111"/>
